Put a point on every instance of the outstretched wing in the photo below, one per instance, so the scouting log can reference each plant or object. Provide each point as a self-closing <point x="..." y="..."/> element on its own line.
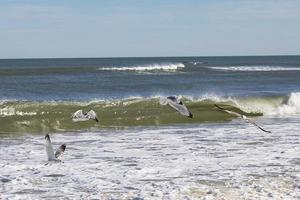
<point x="252" y="122"/>
<point x="60" y="150"/>
<point x="181" y="108"/>
<point x="49" y="148"/>
<point x="79" y="116"/>
<point x="174" y="99"/>
<point x="228" y="111"/>
<point x="242" y="117"/>
<point x="163" y="101"/>
<point x="92" y="115"/>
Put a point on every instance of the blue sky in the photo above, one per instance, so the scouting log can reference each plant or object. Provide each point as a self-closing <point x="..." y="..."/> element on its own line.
<point x="117" y="28"/>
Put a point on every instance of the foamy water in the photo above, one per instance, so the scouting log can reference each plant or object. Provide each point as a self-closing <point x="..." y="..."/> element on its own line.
<point x="256" y="68"/>
<point x="212" y="161"/>
<point x="289" y="106"/>
<point x="152" y="67"/>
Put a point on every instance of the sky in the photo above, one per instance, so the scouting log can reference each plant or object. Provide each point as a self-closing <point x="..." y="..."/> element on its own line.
<point x="142" y="28"/>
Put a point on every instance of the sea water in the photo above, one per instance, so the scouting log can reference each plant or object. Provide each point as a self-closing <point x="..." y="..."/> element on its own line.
<point x="141" y="149"/>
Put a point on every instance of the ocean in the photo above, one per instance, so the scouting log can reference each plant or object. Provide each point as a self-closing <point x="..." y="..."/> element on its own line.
<point x="141" y="149"/>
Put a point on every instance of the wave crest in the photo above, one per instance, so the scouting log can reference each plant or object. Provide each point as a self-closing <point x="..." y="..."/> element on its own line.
<point x="269" y="106"/>
<point x="256" y="68"/>
<point x="290" y="106"/>
<point x="150" y="67"/>
<point x="31" y="116"/>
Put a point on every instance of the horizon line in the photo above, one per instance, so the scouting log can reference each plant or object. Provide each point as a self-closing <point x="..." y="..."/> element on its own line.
<point x="94" y="57"/>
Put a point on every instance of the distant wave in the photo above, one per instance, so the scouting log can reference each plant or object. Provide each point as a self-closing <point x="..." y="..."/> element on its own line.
<point x="256" y="68"/>
<point x="196" y="62"/>
<point x="149" y="67"/>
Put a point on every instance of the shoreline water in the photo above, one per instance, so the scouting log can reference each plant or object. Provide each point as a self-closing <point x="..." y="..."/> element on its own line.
<point x="230" y="160"/>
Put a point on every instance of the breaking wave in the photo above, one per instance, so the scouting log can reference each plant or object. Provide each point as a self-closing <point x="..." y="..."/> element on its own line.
<point x="45" y="116"/>
<point x="256" y="68"/>
<point x="290" y="106"/>
<point x="148" y="67"/>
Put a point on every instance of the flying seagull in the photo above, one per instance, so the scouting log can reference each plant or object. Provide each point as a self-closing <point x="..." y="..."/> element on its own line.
<point x="177" y="104"/>
<point x="80" y="116"/>
<point x="243" y="117"/>
<point x="53" y="156"/>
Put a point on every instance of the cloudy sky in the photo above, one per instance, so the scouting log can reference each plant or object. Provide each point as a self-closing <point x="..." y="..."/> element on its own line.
<point x="117" y="28"/>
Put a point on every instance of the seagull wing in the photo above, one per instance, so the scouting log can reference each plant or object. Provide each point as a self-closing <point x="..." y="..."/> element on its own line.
<point x="233" y="113"/>
<point x="60" y="150"/>
<point x="246" y="119"/>
<point x="228" y="111"/>
<point x="174" y="99"/>
<point x="79" y="116"/>
<point x="163" y="101"/>
<point x="252" y="122"/>
<point x="49" y="148"/>
<point x="92" y="115"/>
<point x="181" y="108"/>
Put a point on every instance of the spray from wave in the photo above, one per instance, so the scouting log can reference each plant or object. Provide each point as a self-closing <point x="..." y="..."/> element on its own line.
<point x="149" y="67"/>
<point x="256" y="68"/>
<point x="269" y="106"/>
<point x="290" y="106"/>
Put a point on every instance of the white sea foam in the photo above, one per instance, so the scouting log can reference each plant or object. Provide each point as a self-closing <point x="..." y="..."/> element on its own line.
<point x="272" y="106"/>
<point x="256" y="68"/>
<point x="10" y="111"/>
<point x="212" y="161"/>
<point x="212" y="97"/>
<point x="290" y="107"/>
<point x="151" y="67"/>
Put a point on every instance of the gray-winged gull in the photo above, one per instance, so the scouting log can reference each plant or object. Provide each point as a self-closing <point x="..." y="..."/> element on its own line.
<point x="53" y="156"/>
<point x="243" y="117"/>
<point x="80" y="116"/>
<point x="177" y="104"/>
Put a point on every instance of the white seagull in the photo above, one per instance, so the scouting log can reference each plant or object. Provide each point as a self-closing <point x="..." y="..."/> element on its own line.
<point x="243" y="117"/>
<point x="177" y="104"/>
<point x="53" y="156"/>
<point x="80" y="116"/>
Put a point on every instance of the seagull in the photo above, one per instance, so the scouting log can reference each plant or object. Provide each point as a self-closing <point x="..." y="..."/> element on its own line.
<point x="243" y="117"/>
<point x="80" y="116"/>
<point x="177" y="104"/>
<point x="53" y="156"/>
